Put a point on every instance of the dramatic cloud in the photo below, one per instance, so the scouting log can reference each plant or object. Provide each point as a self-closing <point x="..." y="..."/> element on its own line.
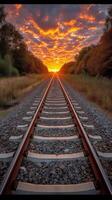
<point x="56" y="32"/>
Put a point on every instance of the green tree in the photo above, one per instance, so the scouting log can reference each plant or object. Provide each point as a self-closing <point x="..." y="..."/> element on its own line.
<point x="15" y="57"/>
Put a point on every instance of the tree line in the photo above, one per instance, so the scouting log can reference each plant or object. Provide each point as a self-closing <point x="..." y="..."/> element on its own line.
<point x="15" y="58"/>
<point x="94" y="59"/>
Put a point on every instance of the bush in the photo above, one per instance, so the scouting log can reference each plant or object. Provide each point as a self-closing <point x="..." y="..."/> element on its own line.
<point x="14" y="72"/>
<point x="6" y="68"/>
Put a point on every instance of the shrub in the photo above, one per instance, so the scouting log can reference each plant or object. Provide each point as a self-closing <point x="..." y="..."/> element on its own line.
<point x="14" y="72"/>
<point x="5" y="66"/>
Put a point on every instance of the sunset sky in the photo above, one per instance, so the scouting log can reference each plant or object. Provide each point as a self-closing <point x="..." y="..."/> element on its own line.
<point x="56" y="32"/>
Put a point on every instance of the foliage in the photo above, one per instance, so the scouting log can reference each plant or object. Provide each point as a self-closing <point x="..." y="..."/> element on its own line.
<point x="14" y="72"/>
<point x="12" y="46"/>
<point x="108" y="19"/>
<point x="95" y="60"/>
<point x="68" y="67"/>
<point x="5" y="66"/>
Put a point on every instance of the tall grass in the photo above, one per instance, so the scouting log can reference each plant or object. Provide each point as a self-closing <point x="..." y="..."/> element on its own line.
<point x="97" y="89"/>
<point x="13" y="88"/>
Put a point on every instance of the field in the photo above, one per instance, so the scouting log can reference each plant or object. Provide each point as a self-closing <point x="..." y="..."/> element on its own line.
<point x="97" y="89"/>
<point x="11" y="89"/>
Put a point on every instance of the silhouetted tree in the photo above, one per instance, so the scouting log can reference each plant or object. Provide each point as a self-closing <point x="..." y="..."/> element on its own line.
<point x="2" y="16"/>
<point x="14" y="50"/>
<point x="108" y="20"/>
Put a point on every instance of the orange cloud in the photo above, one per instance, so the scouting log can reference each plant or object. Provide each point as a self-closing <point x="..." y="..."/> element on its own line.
<point x="18" y="6"/>
<point x="92" y="28"/>
<point x="58" y="44"/>
<point x="87" y="17"/>
<point x="41" y="31"/>
<point x="70" y="23"/>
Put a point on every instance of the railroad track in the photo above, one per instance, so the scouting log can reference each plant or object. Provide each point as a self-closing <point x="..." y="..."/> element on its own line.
<point x="55" y="155"/>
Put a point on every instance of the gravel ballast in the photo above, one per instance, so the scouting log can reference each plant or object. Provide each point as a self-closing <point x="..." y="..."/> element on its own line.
<point x="103" y="146"/>
<point x="56" y="132"/>
<point x="96" y="116"/>
<point x="56" y="147"/>
<point x="101" y="122"/>
<point x="3" y="168"/>
<point x="108" y="168"/>
<point x="56" y="122"/>
<point x="55" y="172"/>
<point x="8" y="124"/>
<point x="61" y="171"/>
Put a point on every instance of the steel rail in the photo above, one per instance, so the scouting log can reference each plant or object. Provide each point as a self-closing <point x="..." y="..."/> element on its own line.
<point x="102" y="180"/>
<point x="13" y="169"/>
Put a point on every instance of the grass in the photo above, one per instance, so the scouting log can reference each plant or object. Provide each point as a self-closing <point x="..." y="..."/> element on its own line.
<point x="11" y="89"/>
<point x="3" y="113"/>
<point x="96" y="89"/>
